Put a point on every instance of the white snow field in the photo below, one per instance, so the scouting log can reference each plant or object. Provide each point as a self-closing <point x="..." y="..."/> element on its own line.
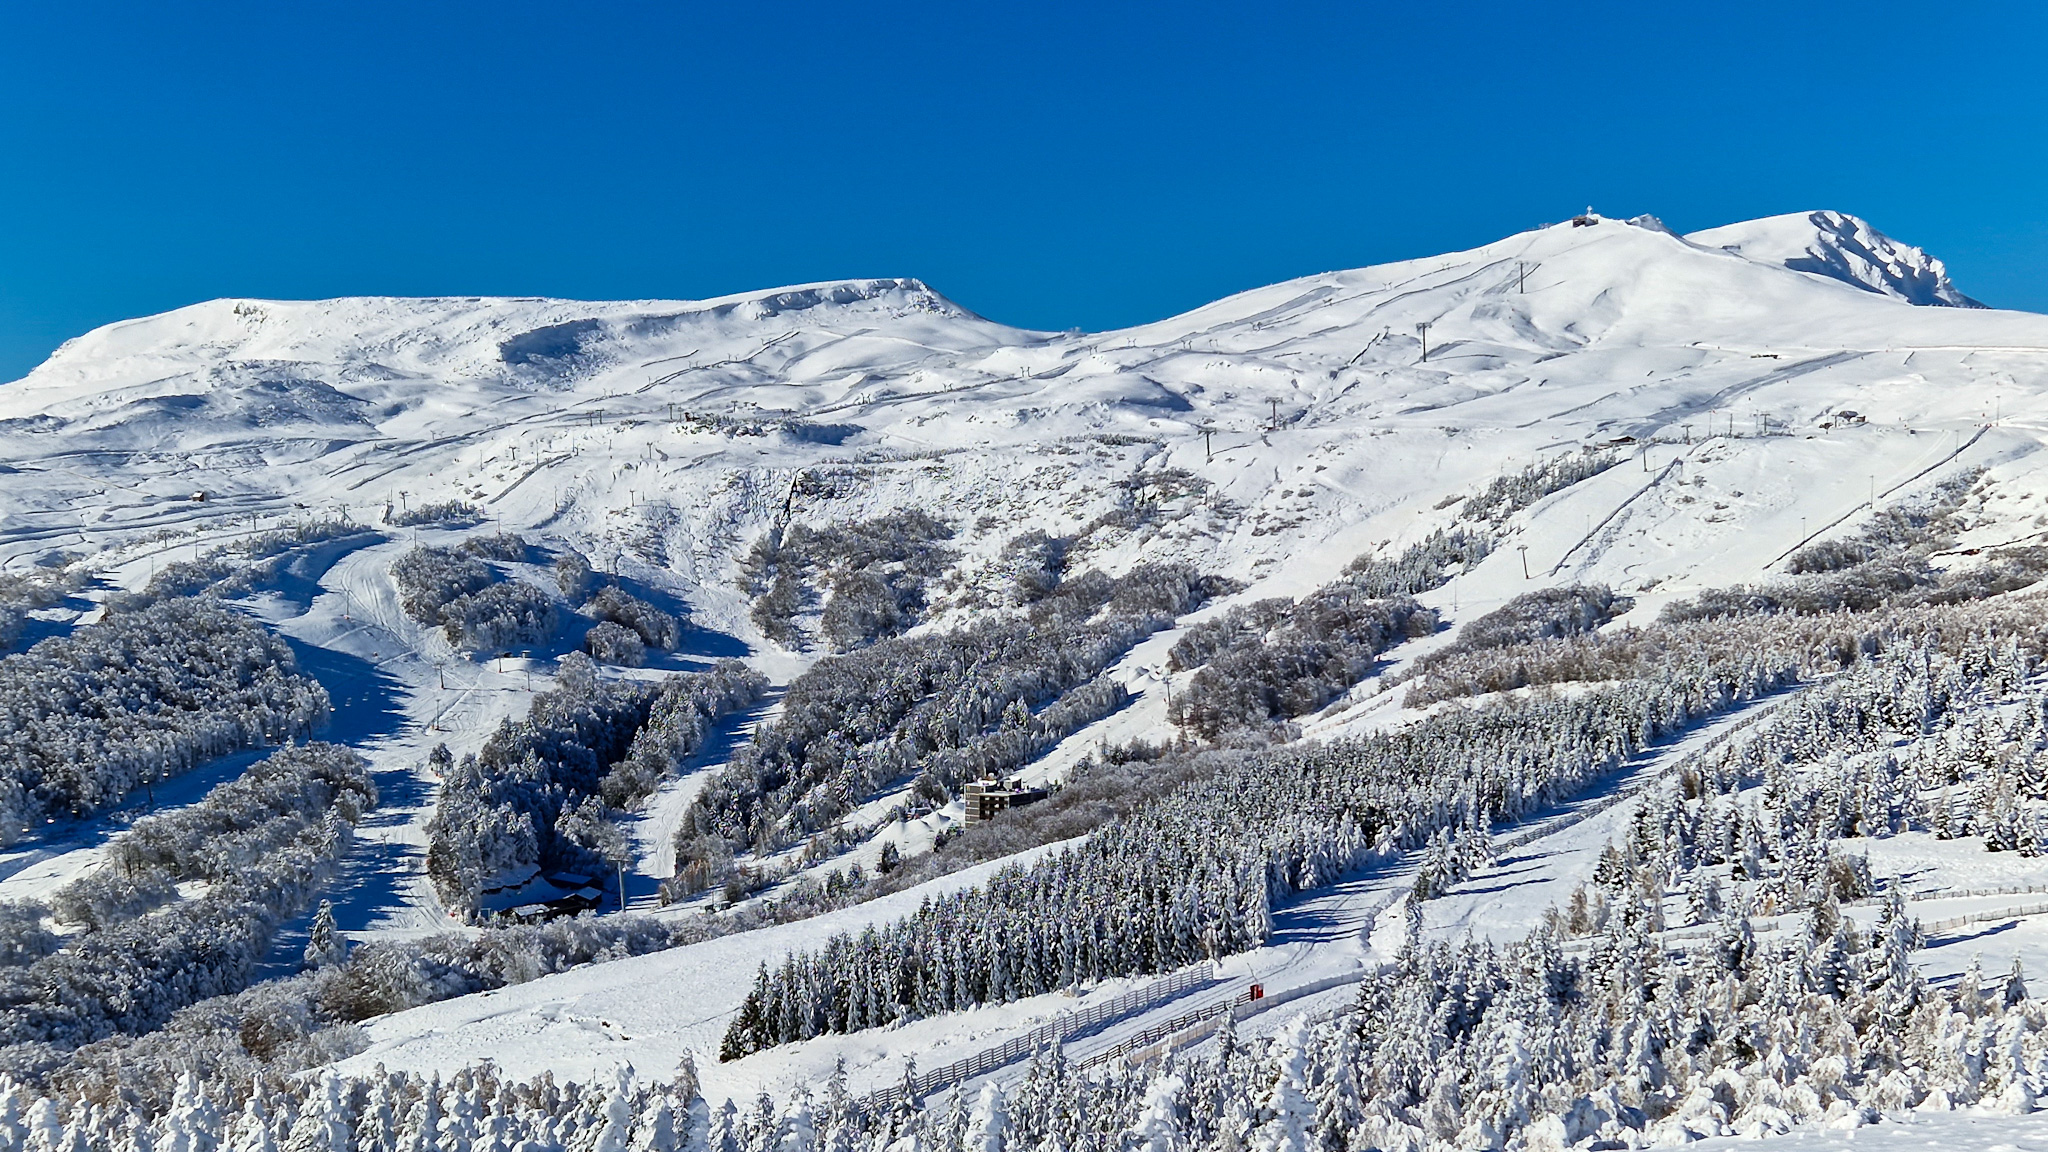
<point x="1767" y="383"/>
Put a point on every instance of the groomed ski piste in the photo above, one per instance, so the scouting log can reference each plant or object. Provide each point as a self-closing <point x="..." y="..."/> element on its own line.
<point x="1763" y="386"/>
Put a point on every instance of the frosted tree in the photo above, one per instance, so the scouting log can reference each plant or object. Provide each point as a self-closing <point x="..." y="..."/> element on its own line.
<point x="618" y="1114"/>
<point x="324" y="945"/>
<point x="1285" y="1108"/>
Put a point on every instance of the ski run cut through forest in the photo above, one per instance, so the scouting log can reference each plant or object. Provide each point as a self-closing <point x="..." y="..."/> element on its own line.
<point x="826" y="720"/>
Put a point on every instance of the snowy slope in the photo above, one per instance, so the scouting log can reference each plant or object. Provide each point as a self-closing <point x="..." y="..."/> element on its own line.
<point x="1845" y="248"/>
<point x="529" y="405"/>
<point x="664" y="437"/>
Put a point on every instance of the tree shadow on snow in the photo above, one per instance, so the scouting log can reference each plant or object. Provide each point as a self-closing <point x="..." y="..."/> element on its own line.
<point x="364" y="695"/>
<point x="695" y="645"/>
<point x="372" y="880"/>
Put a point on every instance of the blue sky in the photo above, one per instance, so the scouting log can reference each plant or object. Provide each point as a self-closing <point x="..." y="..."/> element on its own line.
<point x="1049" y="165"/>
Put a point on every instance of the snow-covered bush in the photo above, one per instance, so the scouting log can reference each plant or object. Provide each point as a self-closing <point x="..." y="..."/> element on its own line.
<point x="1507" y="495"/>
<point x="609" y="643"/>
<point x="1426" y="564"/>
<point x="861" y="608"/>
<point x="1827" y="556"/>
<point x="40" y="588"/>
<point x="1568" y="610"/>
<point x="104" y="898"/>
<point x="445" y="512"/>
<point x="23" y="938"/>
<point x="572" y="576"/>
<point x="881" y="566"/>
<point x="22" y="593"/>
<point x="1277" y="659"/>
<point x="657" y="629"/>
<point x="500" y="546"/>
<point x="500" y="616"/>
<point x="429" y="579"/>
<point x="1033" y="563"/>
<point x="142" y="696"/>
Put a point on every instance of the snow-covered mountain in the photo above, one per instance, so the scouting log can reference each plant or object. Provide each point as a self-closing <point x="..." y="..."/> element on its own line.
<point x="1708" y="404"/>
<point x="1845" y="248"/>
<point x="1324" y="422"/>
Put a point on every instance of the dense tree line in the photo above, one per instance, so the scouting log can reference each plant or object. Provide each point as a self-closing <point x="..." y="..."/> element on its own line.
<point x="1593" y="1030"/>
<point x="944" y="708"/>
<point x="269" y="854"/>
<point x="1190" y="875"/>
<point x="1477" y="1046"/>
<point x="1277" y="659"/>
<point x="457" y="591"/>
<point x="24" y="592"/>
<point x="139" y="697"/>
<point x="870" y="576"/>
<point x="1456" y="1047"/>
<point x="1816" y="644"/>
<point x="655" y="628"/>
<point x="1193" y="874"/>
<point x="239" y="567"/>
<point x="1599" y="1032"/>
<point x="500" y="808"/>
<point x="1426" y="564"/>
<point x="1507" y="495"/>
<point x="445" y="512"/>
<point x="234" y="828"/>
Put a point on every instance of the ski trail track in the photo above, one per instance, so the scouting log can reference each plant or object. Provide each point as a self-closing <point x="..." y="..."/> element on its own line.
<point x="654" y="828"/>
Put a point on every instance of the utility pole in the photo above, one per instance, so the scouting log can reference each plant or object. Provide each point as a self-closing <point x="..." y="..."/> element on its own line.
<point x="1524" y="550"/>
<point x="1423" y="328"/>
<point x="1208" y="454"/>
<point x="1688" y="433"/>
<point x="1276" y="415"/>
<point x="1521" y="278"/>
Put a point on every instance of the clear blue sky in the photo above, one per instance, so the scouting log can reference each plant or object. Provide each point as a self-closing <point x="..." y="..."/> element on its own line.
<point x="1049" y="165"/>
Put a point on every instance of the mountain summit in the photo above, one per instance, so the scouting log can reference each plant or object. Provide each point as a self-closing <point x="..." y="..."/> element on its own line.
<point x="1845" y="248"/>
